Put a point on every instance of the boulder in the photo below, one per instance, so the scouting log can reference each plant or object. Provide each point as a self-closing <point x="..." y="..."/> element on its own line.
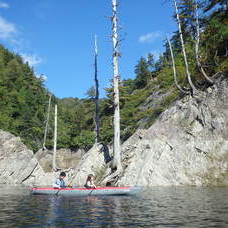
<point x="18" y="164"/>
<point x="65" y="158"/>
<point x="93" y="162"/>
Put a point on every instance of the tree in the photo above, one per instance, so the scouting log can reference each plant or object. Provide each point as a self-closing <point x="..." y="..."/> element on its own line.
<point x="47" y="122"/>
<point x="197" y="42"/>
<point x="193" y="88"/>
<point x="143" y="75"/>
<point x="97" y="120"/>
<point x="116" y="163"/>
<point x="186" y="10"/>
<point x="91" y="93"/>
<point x="174" y="68"/>
<point x="55" y="142"/>
<point x="22" y="100"/>
<point x="151" y="62"/>
<point x="210" y="4"/>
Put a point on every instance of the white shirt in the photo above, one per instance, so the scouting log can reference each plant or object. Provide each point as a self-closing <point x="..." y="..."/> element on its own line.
<point x="59" y="183"/>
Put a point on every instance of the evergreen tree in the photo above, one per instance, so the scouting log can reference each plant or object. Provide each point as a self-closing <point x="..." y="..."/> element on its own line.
<point x="211" y="4"/>
<point x="143" y="75"/>
<point x="24" y="99"/>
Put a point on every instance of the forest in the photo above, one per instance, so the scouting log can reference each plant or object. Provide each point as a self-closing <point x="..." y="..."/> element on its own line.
<point x="24" y="98"/>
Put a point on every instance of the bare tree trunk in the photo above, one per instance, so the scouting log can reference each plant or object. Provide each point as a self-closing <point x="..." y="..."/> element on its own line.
<point x="97" y="120"/>
<point x="183" y="50"/>
<point x="174" y="68"/>
<point x="55" y="141"/>
<point x="116" y="164"/>
<point x="47" y="121"/>
<point x="197" y="47"/>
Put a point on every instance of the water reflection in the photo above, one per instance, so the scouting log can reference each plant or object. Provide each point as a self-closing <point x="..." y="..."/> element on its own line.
<point x="156" y="207"/>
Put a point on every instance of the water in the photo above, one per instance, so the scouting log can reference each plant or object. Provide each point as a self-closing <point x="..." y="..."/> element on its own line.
<point x="155" y="207"/>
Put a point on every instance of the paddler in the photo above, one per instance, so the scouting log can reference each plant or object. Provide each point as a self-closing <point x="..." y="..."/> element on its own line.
<point x="59" y="182"/>
<point x="90" y="181"/>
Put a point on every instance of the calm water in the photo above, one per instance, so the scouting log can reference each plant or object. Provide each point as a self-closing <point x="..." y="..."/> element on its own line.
<point x="156" y="207"/>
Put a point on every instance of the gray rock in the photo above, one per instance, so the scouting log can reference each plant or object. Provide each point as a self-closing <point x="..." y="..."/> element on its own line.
<point x="65" y="158"/>
<point x="187" y="145"/>
<point x="93" y="162"/>
<point x="18" y="164"/>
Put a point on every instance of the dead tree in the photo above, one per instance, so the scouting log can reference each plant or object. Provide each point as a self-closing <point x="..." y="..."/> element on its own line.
<point x="97" y="120"/>
<point x="193" y="88"/>
<point x="116" y="163"/>
<point x="197" y="42"/>
<point x="55" y="141"/>
<point x="174" y="68"/>
<point x="47" y="122"/>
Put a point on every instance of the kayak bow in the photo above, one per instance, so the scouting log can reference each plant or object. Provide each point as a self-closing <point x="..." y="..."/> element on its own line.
<point x="86" y="191"/>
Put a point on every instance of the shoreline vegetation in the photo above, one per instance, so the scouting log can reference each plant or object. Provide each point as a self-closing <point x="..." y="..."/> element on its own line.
<point x="24" y="98"/>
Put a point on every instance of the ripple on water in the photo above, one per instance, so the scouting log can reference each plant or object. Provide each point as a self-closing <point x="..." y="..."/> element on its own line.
<point x="158" y="207"/>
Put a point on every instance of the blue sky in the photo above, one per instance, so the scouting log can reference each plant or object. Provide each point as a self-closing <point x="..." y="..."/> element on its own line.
<point x="56" y="37"/>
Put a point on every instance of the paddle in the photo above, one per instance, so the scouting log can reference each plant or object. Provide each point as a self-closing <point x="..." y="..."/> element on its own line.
<point x="62" y="188"/>
<point x="91" y="191"/>
<point x="56" y="194"/>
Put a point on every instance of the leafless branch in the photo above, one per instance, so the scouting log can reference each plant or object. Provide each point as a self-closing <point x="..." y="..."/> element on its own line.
<point x="197" y="47"/>
<point x="193" y="88"/>
<point x="174" y="68"/>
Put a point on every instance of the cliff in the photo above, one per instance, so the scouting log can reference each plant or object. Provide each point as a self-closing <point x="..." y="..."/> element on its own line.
<point x="18" y="164"/>
<point x="187" y="145"/>
<point x="65" y="158"/>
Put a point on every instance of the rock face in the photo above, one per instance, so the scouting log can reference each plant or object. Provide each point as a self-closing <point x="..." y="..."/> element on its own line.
<point x="187" y="145"/>
<point x="93" y="162"/>
<point x="65" y="159"/>
<point x="18" y="164"/>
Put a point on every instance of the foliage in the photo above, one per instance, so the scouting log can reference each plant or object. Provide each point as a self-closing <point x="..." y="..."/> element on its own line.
<point x="142" y="72"/>
<point x="24" y="99"/>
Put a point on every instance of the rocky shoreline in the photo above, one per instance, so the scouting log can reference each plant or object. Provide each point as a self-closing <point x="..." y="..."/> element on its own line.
<point x="187" y="145"/>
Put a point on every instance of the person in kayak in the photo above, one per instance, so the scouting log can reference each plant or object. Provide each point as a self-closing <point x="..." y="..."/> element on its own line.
<point x="90" y="181"/>
<point x="59" y="182"/>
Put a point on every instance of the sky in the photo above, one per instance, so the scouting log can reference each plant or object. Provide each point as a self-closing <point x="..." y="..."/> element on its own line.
<point x="56" y="37"/>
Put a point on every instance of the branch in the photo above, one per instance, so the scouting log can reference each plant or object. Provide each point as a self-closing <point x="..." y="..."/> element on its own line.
<point x="183" y="50"/>
<point x="96" y="99"/>
<point x="113" y="177"/>
<point x="197" y="48"/>
<point x="174" y="68"/>
<point x="47" y="120"/>
<point x="116" y="147"/>
<point x="216" y="54"/>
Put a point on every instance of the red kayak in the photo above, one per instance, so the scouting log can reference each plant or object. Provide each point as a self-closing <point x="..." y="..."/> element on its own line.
<point x="86" y="191"/>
